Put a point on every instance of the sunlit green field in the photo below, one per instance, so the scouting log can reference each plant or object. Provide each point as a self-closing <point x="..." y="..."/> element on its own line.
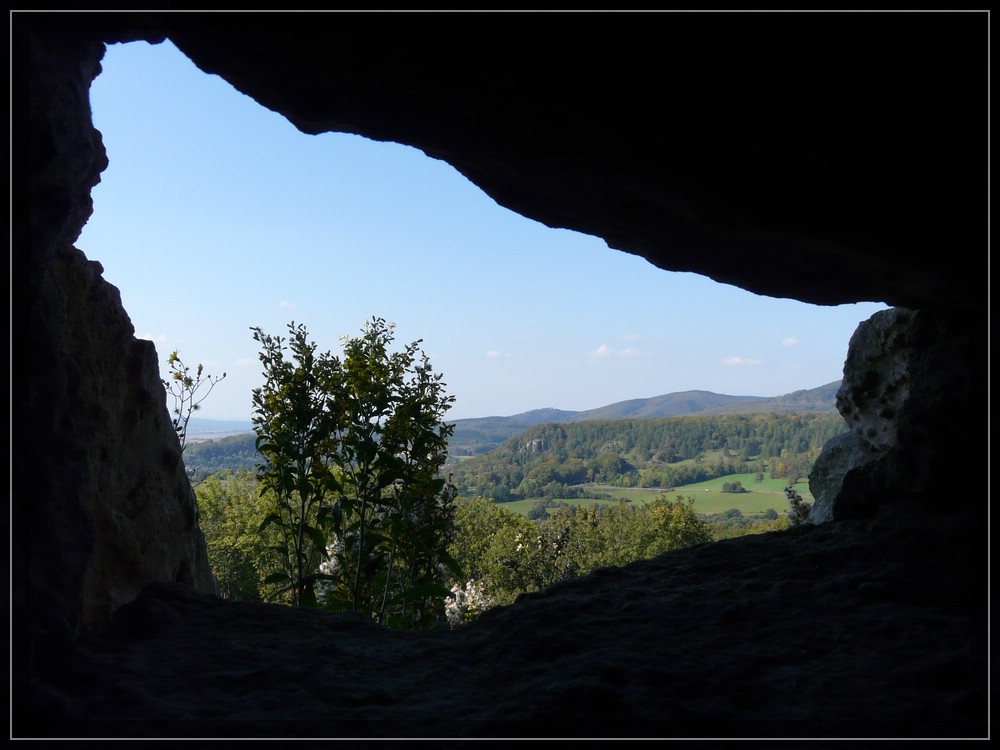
<point x="708" y="496"/>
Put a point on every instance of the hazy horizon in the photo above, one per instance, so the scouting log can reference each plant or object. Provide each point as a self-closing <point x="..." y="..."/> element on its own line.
<point x="248" y="420"/>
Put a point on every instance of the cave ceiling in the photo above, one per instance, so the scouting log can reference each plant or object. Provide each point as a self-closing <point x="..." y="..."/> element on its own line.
<point x="824" y="157"/>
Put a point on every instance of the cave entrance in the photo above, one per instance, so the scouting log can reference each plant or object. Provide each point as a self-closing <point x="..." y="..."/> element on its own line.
<point x="216" y="215"/>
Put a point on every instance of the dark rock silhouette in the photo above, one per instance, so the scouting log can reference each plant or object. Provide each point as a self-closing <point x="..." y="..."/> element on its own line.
<point x="824" y="157"/>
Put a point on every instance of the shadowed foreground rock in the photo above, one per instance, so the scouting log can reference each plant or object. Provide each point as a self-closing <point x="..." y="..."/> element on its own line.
<point x="841" y="630"/>
<point x="827" y="158"/>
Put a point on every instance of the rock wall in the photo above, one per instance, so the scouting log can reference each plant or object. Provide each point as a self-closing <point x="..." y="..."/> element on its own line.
<point x="101" y="502"/>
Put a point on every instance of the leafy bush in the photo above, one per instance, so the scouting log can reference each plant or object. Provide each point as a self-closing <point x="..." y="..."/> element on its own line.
<point x="351" y="453"/>
<point x="506" y="555"/>
<point x="231" y="509"/>
<point x="729" y="527"/>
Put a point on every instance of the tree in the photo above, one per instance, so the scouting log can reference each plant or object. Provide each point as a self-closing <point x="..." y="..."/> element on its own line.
<point x="184" y="390"/>
<point x="295" y="437"/>
<point x="231" y="509"/>
<point x="393" y="515"/>
<point x="488" y="543"/>
<point x="505" y="554"/>
<point x="677" y="524"/>
<point x="353" y="449"/>
<point x="798" y="509"/>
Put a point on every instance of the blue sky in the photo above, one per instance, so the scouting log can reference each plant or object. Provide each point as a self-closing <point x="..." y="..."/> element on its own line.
<point x="216" y="215"/>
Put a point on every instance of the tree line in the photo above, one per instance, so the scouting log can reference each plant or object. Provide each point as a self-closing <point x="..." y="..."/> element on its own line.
<point x="553" y="460"/>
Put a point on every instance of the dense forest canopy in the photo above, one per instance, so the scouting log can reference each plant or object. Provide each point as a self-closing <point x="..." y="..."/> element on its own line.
<point x="235" y="453"/>
<point x="550" y="460"/>
<point x="554" y="460"/>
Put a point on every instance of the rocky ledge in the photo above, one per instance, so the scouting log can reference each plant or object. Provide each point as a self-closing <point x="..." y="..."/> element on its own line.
<point x="843" y="630"/>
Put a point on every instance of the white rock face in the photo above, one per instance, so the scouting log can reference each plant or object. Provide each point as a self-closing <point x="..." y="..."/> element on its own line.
<point x="874" y="391"/>
<point x="877" y="377"/>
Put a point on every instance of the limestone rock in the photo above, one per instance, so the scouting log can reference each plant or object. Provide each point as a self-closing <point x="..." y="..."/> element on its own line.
<point x="876" y="382"/>
<point x="909" y="397"/>
<point x="840" y="455"/>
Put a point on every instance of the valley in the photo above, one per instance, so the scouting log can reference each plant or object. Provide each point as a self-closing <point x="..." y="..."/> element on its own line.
<point x="690" y="444"/>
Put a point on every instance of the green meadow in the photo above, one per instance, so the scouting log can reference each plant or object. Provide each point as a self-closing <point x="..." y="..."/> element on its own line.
<point x="708" y="496"/>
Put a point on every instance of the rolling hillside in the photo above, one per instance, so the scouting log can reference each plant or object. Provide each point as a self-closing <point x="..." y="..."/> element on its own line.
<point x="215" y="445"/>
<point x="483" y="434"/>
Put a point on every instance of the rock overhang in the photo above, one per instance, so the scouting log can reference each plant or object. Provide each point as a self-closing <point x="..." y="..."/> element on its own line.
<point x="829" y="158"/>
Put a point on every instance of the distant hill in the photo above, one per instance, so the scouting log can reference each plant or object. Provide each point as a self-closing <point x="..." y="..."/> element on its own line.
<point x="213" y="429"/>
<point x="212" y="447"/>
<point x="681" y="404"/>
<point x="483" y="434"/>
<point x="567" y="460"/>
<point x="811" y="401"/>
<point x="231" y="453"/>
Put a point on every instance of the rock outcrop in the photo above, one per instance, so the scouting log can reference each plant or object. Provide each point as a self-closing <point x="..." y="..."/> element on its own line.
<point x="824" y="157"/>
<point x="906" y="396"/>
<point x="102" y="504"/>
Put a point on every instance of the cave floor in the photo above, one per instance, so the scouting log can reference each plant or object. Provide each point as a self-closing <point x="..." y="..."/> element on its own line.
<point x="845" y="630"/>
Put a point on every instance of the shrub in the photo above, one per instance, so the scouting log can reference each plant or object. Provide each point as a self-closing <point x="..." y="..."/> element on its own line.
<point x="798" y="512"/>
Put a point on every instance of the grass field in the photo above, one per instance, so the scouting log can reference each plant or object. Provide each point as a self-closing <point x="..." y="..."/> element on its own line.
<point x="708" y="496"/>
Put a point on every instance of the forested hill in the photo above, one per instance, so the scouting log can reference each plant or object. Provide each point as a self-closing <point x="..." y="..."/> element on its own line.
<point x="822" y="400"/>
<point x="483" y="434"/>
<point x="554" y="460"/>
<point x="227" y="450"/>
<point x="230" y="453"/>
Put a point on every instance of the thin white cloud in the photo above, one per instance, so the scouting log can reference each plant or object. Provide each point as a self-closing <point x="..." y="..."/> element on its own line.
<point x="496" y="354"/>
<point x="789" y="342"/>
<point x="630" y="337"/>
<point x="245" y="361"/>
<point x="604" y="352"/>
<point x="632" y="352"/>
<point x="740" y="361"/>
<point x="287" y="305"/>
<point x="161" y="339"/>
